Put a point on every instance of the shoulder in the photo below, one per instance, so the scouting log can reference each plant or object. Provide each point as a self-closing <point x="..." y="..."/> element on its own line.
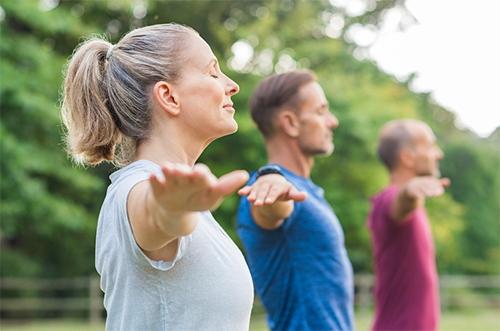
<point x="133" y="174"/>
<point x="386" y="195"/>
<point x="381" y="206"/>
<point x="135" y="168"/>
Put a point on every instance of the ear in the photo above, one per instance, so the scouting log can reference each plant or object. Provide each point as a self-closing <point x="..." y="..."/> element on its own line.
<point x="407" y="157"/>
<point x="289" y="122"/>
<point x="166" y="98"/>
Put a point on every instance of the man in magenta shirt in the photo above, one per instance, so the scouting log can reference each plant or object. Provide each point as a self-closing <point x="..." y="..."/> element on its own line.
<point x="406" y="289"/>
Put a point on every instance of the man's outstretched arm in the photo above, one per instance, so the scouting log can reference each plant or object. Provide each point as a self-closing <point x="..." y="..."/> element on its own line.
<point x="412" y="194"/>
<point x="271" y="198"/>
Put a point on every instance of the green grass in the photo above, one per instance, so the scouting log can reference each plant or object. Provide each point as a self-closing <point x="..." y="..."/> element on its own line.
<point x="63" y="325"/>
<point x="469" y="320"/>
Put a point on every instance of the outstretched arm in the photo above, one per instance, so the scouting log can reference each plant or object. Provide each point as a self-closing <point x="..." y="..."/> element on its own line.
<point x="165" y="208"/>
<point x="271" y="198"/>
<point x="412" y="194"/>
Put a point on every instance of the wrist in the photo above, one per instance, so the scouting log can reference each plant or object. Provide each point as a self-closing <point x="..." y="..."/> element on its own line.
<point x="268" y="170"/>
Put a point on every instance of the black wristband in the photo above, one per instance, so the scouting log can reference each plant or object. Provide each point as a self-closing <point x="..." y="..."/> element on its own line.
<point x="269" y="169"/>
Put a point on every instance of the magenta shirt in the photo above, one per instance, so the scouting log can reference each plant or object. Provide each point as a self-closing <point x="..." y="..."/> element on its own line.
<point x="406" y="287"/>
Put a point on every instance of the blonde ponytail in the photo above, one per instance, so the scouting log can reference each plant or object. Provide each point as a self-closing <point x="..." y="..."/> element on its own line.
<point x="92" y="133"/>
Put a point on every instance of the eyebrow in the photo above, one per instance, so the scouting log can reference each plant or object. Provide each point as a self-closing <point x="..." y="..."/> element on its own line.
<point x="324" y="106"/>
<point x="211" y="63"/>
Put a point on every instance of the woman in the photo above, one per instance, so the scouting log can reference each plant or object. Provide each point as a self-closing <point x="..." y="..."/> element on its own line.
<point x="151" y="104"/>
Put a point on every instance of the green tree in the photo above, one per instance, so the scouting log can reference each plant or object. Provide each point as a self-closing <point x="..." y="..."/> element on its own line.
<point x="49" y="208"/>
<point x="473" y="165"/>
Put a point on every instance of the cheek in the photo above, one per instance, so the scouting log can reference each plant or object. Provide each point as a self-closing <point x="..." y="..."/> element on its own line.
<point x="213" y="91"/>
<point x="206" y="93"/>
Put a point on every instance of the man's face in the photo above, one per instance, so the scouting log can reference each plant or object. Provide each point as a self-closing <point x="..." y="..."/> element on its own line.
<point x="316" y="122"/>
<point x="427" y="153"/>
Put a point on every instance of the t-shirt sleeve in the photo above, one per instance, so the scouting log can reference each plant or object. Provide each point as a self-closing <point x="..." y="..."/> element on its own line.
<point x="381" y="212"/>
<point x="289" y="221"/>
<point x="125" y="229"/>
<point x="386" y="203"/>
<point x="387" y="199"/>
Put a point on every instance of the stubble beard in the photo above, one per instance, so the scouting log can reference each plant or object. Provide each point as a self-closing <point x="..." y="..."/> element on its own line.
<point x="322" y="152"/>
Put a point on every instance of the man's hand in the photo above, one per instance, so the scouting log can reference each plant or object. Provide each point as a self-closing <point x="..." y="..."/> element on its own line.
<point x="426" y="187"/>
<point x="413" y="193"/>
<point x="272" y="198"/>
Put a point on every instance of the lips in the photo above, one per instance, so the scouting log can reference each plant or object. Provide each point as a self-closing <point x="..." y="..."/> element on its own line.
<point x="229" y="107"/>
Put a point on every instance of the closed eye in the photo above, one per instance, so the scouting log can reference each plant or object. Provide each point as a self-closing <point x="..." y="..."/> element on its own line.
<point x="211" y="68"/>
<point x="322" y="110"/>
<point x="214" y="73"/>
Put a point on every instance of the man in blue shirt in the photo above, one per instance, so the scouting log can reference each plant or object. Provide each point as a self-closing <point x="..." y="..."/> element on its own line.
<point x="293" y="240"/>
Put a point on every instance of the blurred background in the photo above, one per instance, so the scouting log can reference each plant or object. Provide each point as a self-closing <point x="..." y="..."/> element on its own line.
<point x="49" y="207"/>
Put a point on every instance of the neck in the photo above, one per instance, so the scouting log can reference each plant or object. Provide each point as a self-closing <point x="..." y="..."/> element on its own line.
<point x="171" y="146"/>
<point x="286" y="153"/>
<point x="400" y="176"/>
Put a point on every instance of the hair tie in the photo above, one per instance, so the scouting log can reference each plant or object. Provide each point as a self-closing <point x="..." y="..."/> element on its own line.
<point x="108" y="54"/>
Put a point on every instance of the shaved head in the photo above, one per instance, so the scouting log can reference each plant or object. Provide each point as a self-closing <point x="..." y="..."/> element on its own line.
<point x="396" y="135"/>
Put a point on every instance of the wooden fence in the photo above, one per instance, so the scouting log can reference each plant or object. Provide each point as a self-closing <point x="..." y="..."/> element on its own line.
<point x="35" y="299"/>
<point x="452" y="291"/>
<point x="37" y="295"/>
<point x="455" y="291"/>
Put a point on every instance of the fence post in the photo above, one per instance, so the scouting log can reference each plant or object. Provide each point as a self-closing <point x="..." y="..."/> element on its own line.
<point x="443" y="293"/>
<point x="364" y="282"/>
<point x="95" y="300"/>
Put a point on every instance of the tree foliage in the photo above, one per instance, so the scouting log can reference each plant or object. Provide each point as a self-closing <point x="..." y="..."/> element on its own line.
<point x="49" y="208"/>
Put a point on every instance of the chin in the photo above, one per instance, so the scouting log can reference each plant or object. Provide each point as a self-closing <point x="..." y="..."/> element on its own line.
<point x="324" y="152"/>
<point x="329" y="150"/>
<point x="235" y="127"/>
<point x="436" y="174"/>
<point x="230" y="129"/>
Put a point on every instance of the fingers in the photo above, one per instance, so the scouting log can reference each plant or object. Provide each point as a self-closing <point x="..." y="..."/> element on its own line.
<point x="156" y="185"/>
<point x="203" y="175"/>
<point x="193" y="188"/>
<point x="271" y="190"/>
<point x="445" y="182"/>
<point x="199" y="177"/>
<point x="433" y="191"/>
<point x="184" y="175"/>
<point x="438" y="186"/>
<point x="227" y="184"/>
<point x="296" y="195"/>
<point x="427" y="186"/>
<point x="265" y="193"/>
<point x="245" y="191"/>
<point x="284" y="194"/>
<point x="175" y="174"/>
<point x="177" y="178"/>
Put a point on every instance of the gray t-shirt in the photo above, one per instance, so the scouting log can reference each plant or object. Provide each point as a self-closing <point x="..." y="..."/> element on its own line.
<point x="207" y="286"/>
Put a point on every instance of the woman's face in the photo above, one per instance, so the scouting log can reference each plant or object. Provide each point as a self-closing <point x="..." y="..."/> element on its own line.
<point x="205" y="93"/>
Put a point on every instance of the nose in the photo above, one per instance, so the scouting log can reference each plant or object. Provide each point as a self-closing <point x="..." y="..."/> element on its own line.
<point x="333" y="122"/>
<point x="231" y="88"/>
